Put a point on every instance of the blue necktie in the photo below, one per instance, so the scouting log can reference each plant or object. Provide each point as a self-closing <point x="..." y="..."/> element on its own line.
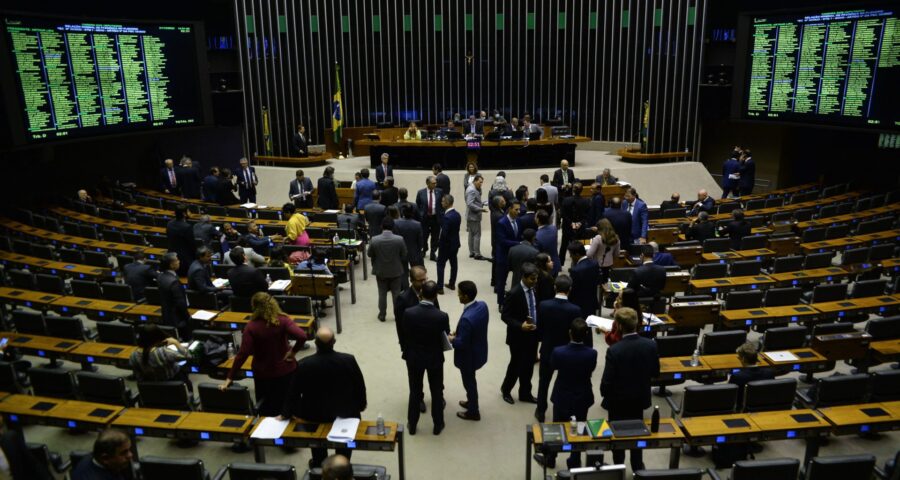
<point x="514" y="227"/>
<point x="529" y="295"/>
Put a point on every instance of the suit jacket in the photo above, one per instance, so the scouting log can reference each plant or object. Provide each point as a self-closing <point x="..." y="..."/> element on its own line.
<point x="621" y="223"/>
<point x="411" y="231"/>
<point x="245" y="281"/>
<point x="139" y="276"/>
<point x="174" y="301"/>
<point x="707" y="205"/>
<point x="422" y="202"/>
<point x="552" y="194"/>
<point x="558" y="181"/>
<point x="326" y="385"/>
<point x="407" y="298"/>
<point x="546" y="242"/>
<point x="443" y="182"/>
<point x="300" y="145"/>
<point x="22" y="463"/>
<point x="199" y="278"/>
<point x="425" y="327"/>
<point x="448" y="241"/>
<point x="375" y="213"/>
<point x="363" y="194"/>
<point x="631" y="363"/>
<point x="506" y="238"/>
<point x="190" y="180"/>
<point x="387" y="252"/>
<point x="668" y="205"/>
<point x="165" y="181"/>
<point x="513" y="314"/>
<point x="748" y="175"/>
<point x="401" y="204"/>
<point x="527" y="220"/>
<point x="225" y="192"/>
<point x="730" y="167"/>
<point x="700" y="231"/>
<point x="610" y="180"/>
<point x="648" y="280"/>
<point x="181" y="241"/>
<point x="389" y="196"/>
<point x="639" y="220"/>
<point x="477" y="129"/>
<point x="470" y="346"/>
<point x="664" y="259"/>
<point x="350" y="221"/>
<point x="210" y="187"/>
<point x="585" y="278"/>
<point x="259" y="244"/>
<point x="294" y="189"/>
<point x="517" y="256"/>
<point x="380" y="174"/>
<point x="574" y="364"/>
<point x="574" y="210"/>
<point x="245" y="186"/>
<point x="554" y="318"/>
<point x="205" y="232"/>
<point x="736" y="231"/>
<point x="474" y="204"/>
<point x="327" y="199"/>
<point x="598" y="206"/>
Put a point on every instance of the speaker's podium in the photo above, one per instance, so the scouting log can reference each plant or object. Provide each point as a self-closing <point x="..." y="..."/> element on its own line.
<point x="318" y="286"/>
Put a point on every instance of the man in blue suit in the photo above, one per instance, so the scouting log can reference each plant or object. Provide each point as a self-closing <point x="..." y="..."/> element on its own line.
<point x="620" y="220"/>
<point x="573" y="393"/>
<point x="428" y="202"/>
<point x="545" y="240"/>
<point x="704" y="203"/>
<point x="364" y="188"/>
<point x="663" y="259"/>
<point x="300" y="191"/>
<point x="509" y="234"/>
<point x="731" y="175"/>
<point x="470" y="346"/>
<point x="384" y="170"/>
<point x="585" y="273"/>
<point x="210" y="184"/>
<point x="449" y="243"/>
<point x="639" y="216"/>
<point x="554" y="318"/>
<point x="748" y="173"/>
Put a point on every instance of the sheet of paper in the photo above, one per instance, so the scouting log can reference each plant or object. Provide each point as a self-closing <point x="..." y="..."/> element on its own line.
<point x="599" y="322"/>
<point x="652" y="319"/>
<point x="270" y="427"/>
<point x="220" y="282"/>
<point x="343" y="430"/>
<point x="781" y="356"/>
<point x="447" y="345"/>
<point x="204" y="315"/>
<point x="280" y="285"/>
<point x="332" y="211"/>
<point x="248" y="205"/>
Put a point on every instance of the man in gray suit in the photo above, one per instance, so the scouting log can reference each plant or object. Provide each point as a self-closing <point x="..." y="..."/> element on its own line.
<point x="411" y="231"/>
<point x="388" y="254"/>
<point x="521" y="254"/>
<point x="474" y="209"/>
<point x="375" y="213"/>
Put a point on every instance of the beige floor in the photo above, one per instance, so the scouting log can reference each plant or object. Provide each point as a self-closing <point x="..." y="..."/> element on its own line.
<point x="493" y="448"/>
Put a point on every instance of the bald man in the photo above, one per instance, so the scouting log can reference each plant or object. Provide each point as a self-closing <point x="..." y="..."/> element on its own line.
<point x="168" y="178"/>
<point x="563" y="179"/>
<point x="337" y="467"/>
<point x="704" y="203"/>
<point x="326" y="385"/>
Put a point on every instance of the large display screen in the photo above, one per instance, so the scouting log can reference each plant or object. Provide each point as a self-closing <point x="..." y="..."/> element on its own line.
<point x="827" y="67"/>
<point x="77" y="79"/>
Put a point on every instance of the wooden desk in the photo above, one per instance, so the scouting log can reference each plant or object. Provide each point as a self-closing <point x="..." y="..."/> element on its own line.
<point x="843" y="308"/>
<point x="144" y="312"/>
<point x="865" y="418"/>
<point x="72" y="270"/>
<point x="739" y="255"/>
<point x="848" y="218"/>
<point x="694" y="314"/>
<point x="220" y="427"/>
<point x="771" y="315"/>
<point x="83" y="415"/>
<point x="885" y="350"/>
<point x="150" y="422"/>
<point x="103" y="309"/>
<point x="246" y="370"/>
<point x="756" y="254"/>
<point x="686" y="256"/>
<point x="50" y="347"/>
<point x="676" y="282"/>
<point x="679" y="369"/>
<point x="60" y="239"/>
<point x="784" y="246"/>
<point x="791" y="425"/>
<point x="20" y="409"/>
<point x="720" y="285"/>
<point x="721" y="257"/>
<point x="112" y="224"/>
<point x="103" y="353"/>
<point x="814" y="275"/>
<point x="722" y="364"/>
<point x="808" y="361"/>
<point x="834" y="244"/>
<point x="886" y="236"/>
<point x="238" y="320"/>
<point x="715" y="429"/>
<point x="891" y="266"/>
<point x="319" y="286"/>
<point x="663" y="236"/>
<point x="884" y="305"/>
<point x="28" y="298"/>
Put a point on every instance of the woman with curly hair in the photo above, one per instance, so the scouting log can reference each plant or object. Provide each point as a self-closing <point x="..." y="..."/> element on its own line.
<point x="266" y="338"/>
<point x="604" y="248"/>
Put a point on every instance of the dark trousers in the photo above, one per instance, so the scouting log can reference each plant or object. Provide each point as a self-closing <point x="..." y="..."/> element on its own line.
<point x="565" y="415"/>
<point x="501" y="271"/>
<point x="567" y="236"/>
<point x="471" y="386"/>
<point x="272" y="392"/>
<point x="431" y="227"/>
<point x="320" y="454"/>
<point x="521" y="368"/>
<point x="745" y="190"/>
<point x="417" y="393"/>
<point x="443" y="257"/>
<point x="637" y="455"/>
<point x="545" y="374"/>
<point x="726" y="190"/>
<point x="247" y="195"/>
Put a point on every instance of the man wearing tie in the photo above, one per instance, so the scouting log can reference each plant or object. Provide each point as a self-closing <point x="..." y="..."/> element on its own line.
<point x="639" y="216"/>
<point x="474" y="127"/>
<point x="474" y="210"/>
<point x="449" y="243"/>
<point x="704" y="203"/>
<point x="428" y="202"/>
<point x="508" y="235"/>
<point x="425" y="328"/>
<point x="168" y="178"/>
<point x="470" y="346"/>
<point x="384" y="170"/>
<point x="301" y="143"/>
<point x="301" y="191"/>
<point x="520" y="316"/>
<point x="247" y="182"/>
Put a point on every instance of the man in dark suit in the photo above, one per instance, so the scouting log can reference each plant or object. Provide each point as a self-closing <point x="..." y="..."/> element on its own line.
<point x="211" y="185"/>
<point x="563" y="179"/>
<point x="300" y="145"/>
<point x="704" y="203"/>
<point x="388" y="254"/>
<point x="520" y="314"/>
<point x="411" y="231"/>
<point x="509" y="234"/>
<point x="410" y="297"/>
<point x="736" y="229"/>
<point x="139" y="275"/>
<point x="663" y="259"/>
<point x="300" y="191"/>
<point x="573" y="393"/>
<point x="750" y="371"/>
<point x="168" y="178"/>
<point x="247" y="182"/>
<point x="225" y="189"/>
<point x="326" y="385"/>
<point x="374" y="213"/>
<point x="625" y="386"/>
<point x="598" y="206"/>
<point x="526" y="219"/>
<point x="649" y="279"/>
<point x="173" y="298"/>
<point x="442" y="180"/>
<point x="701" y="228"/>
<point x="545" y="240"/>
<point x="554" y="319"/>
<point x="384" y="170"/>
<point x="428" y="202"/>
<point x="639" y="216"/>
<point x="521" y="254"/>
<point x="200" y="277"/>
<point x="260" y="243"/>
<point x="403" y="200"/>
<point x="390" y="194"/>
<point x="243" y="279"/>
<point x="574" y="211"/>
<point x="748" y="173"/>
<point x="620" y="220"/>
<point x="110" y="459"/>
<point x="606" y="178"/>
<point x="449" y="243"/>
<point x="731" y="175"/>
<point x="470" y="346"/>
<point x="327" y="191"/>
<point x="189" y="177"/>
<point x="349" y="219"/>
<point x="673" y="202"/>
<point x="425" y="327"/>
<point x="204" y="230"/>
<point x="180" y="234"/>
<point x="585" y="273"/>
<point x="473" y="127"/>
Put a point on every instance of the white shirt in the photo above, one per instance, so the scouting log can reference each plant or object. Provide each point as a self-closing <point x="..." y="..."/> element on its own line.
<point x="561" y="296"/>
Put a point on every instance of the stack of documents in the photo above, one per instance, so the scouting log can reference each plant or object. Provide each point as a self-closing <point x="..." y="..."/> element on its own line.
<point x="270" y="427"/>
<point x="203" y="315"/>
<point x="220" y="282"/>
<point x="343" y="430"/>
<point x="781" y="356"/>
<point x="280" y="285"/>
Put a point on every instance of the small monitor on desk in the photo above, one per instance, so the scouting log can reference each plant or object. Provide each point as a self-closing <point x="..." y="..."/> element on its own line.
<point x="515" y="135"/>
<point x="451" y="135"/>
<point x="371" y="136"/>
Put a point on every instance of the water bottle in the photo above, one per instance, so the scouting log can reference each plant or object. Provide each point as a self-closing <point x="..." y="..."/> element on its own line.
<point x="230" y="350"/>
<point x="269" y="279"/>
<point x="379" y="425"/>
<point x="695" y="358"/>
<point x="336" y="240"/>
<point x="654" y="420"/>
<point x="573" y="425"/>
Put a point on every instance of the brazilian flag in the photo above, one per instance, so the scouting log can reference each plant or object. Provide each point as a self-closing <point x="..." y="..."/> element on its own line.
<point x="337" y="107"/>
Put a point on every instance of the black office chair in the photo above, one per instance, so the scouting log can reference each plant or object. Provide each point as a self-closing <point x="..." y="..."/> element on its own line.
<point x="22" y="247"/>
<point x="157" y="241"/>
<point x="215" y="210"/>
<point x="221" y="270"/>
<point x="52" y="460"/>
<point x="51" y="382"/>
<point x="257" y="471"/>
<point x="882" y="251"/>
<point x="756" y="204"/>
<point x="813" y="235"/>
<point x="712" y="245"/>
<point x="743" y="300"/>
<point x="701" y="400"/>
<point x="100" y="388"/>
<point x="117" y="292"/>
<point x="837" y="231"/>
<point x="709" y="270"/>
<point x="294" y="304"/>
<point x="670" y="474"/>
<point x="145" y="220"/>
<point x="67" y="327"/>
<point x="818" y="260"/>
<point x="96" y="259"/>
<point x="868" y="288"/>
<point x="167" y="467"/>
<point x="725" y="341"/>
<point x="169" y="395"/>
<point x="268" y="215"/>
<point x="10" y="380"/>
<point x="835" y="390"/>
<point x="769" y="395"/>
<point x="754" y="242"/>
<point x="69" y="255"/>
<point x="152" y="296"/>
<point x="276" y="273"/>
<point x="239" y="304"/>
<point x="887" y="328"/>
<point x="828" y="293"/>
<point x="204" y="300"/>
<point x="116" y="332"/>
<point x="885" y="386"/>
<point x="21" y="279"/>
<point x="43" y="251"/>
<point x="236" y="399"/>
<point x="50" y="284"/>
<point x="772" y="469"/>
<point x="828" y="211"/>
<point x="29" y="322"/>
<point x="841" y="467"/>
<point x="745" y="268"/>
<point x="783" y="338"/>
<point x="604" y="472"/>
<point x="780" y="297"/>
<point x="121" y="216"/>
<point x="855" y="256"/>
<point x="133" y="238"/>
<point x="86" y="288"/>
<point x="113" y="236"/>
<point x="673" y="213"/>
<point x="220" y="336"/>
<point x="676" y="345"/>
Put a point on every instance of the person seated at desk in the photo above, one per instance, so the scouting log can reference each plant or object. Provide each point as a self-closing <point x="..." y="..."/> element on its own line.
<point x="473" y="127"/>
<point x="701" y="228"/>
<point x="649" y="279"/>
<point x="605" y="178"/>
<point x="736" y="229"/>
<point x="704" y="203"/>
<point x="110" y="460"/>
<point x="316" y="263"/>
<point x="663" y="259"/>
<point x="295" y="230"/>
<point x="159" y="358"/>
<point x="673" y="202"/>
<point x="258" y="241"/>
<point x="83" y="197"/>
<point x="243" y="279"/>
<point x="278" y="259"/>
<point x="532" y="131"/>
<point x="139" y="275"/>
<point x="337" y="467"/>
<point x="750" y="371"/>
<point x="412" y="133"/>
<point x="253" y="257"/>
<point x="448" y="130"/>
<point x="200" y="276"/>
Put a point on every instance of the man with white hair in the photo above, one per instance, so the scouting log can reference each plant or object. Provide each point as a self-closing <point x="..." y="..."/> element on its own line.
<point x="247" y="181"/>
<point x="704" y="203"/>
<point x="168" y="178"/>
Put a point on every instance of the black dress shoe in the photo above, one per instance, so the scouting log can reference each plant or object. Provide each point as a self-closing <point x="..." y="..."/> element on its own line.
<point x="528" y="399"/>
<point x="539" y="458"/>
<point x="478" y="257"/>
<point x="469" y="416"/>
<point x="464" y="403"/>
<point x="508" y="398"/>
<point x="472" y="255"/>
<point x="539" y="416"/>
<point x="441" y="291"/>
<point x="433" y="257"/>
<point x="451" y="286"/>
<point x="438" y="428"/>
<point x="422" y="406"/>
<point x="381" y="319"/>
<point x="411" y="429"/>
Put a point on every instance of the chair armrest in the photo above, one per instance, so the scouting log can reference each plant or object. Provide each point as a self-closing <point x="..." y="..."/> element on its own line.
<point x="880" y="473"/>
<point x="675" y="408"/>
<point x="90" y="334"/>
<point x="220" y="475"/>
<point x="711" y="471"/>
<point x="133" y="398"/>
<point x="803" y="394"/>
